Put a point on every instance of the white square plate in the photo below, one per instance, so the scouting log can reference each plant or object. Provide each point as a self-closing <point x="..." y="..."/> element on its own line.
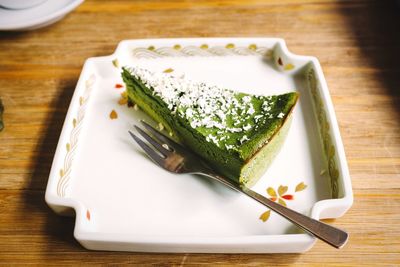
<point x="123" y="201"/>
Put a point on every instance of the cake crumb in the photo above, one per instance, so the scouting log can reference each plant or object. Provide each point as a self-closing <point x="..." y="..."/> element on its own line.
<point x="113" y="115"/>
<point x="135" y="107"/>
<point x="165" y="146"/>
<point x="280" y="61"/>
<point x="281" y="115"/>
<point x="244" y="139"/>
<point x="115" y="63"/>
<point x="169" y="70"/>
<point x="229" y="147"/>
<point x="123" y="101"/>
<point x="247" y="127"/>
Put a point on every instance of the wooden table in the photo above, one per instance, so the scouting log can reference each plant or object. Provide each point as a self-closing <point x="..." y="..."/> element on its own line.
<point x="357" y="43"/>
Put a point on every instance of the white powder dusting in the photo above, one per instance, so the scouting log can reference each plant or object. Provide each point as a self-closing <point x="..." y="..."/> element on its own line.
<point x="206" y="106"/>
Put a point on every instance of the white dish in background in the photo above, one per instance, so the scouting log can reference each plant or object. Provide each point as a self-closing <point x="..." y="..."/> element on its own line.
<point x="36" y="17"/>
<point x="19" y="4"/>
<point x="123" y="201"/>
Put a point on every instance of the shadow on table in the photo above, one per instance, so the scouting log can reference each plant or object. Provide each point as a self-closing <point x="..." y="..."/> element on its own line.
<point x="376" y="27"/>
<point x="56" y="228"/>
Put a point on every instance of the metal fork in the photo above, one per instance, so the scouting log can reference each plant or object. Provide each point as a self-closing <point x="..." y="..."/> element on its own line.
<point x="177" y="159"/>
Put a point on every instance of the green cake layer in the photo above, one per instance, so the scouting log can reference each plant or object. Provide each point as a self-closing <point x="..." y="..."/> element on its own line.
<point x="238" y="133"/>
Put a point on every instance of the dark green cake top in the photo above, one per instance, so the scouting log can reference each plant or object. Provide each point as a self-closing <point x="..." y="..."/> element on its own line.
<point x="227" y="118"/>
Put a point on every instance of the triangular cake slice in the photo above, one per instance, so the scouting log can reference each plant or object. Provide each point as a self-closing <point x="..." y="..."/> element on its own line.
<point x="237" y="133"/>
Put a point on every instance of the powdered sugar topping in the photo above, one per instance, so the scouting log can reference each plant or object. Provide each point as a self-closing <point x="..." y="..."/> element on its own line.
<point x="213" y="110"/>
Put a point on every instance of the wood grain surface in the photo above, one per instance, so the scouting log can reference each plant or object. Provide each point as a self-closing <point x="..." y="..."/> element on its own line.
<point x="357" y="43"/>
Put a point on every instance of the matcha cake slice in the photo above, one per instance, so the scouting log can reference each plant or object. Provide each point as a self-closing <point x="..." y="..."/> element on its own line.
<point x="237" y="133"/>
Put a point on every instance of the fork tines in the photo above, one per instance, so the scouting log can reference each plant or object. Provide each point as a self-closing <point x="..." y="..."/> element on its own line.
<point x="162" y="145"/>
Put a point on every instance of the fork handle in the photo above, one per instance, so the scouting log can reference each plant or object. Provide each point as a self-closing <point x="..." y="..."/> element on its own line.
<point x="331" y="235"/>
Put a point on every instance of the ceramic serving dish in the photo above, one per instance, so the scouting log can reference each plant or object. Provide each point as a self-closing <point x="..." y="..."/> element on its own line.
<point x="44" y="13"/>
<point x="123" y="201"/>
